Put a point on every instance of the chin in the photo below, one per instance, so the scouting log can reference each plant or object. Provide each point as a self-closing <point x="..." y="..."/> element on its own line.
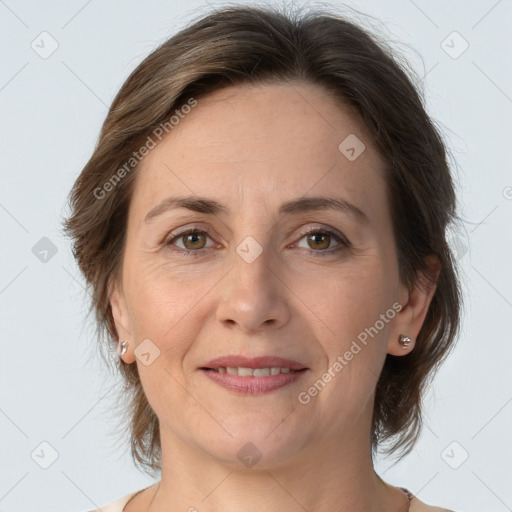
<point x="259" y="447"/>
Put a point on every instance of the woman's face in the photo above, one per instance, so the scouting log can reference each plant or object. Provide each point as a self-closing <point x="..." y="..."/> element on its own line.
<point x="252" y="282"/>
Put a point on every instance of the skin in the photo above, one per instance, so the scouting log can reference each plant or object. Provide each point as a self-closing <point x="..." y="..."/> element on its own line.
<point x="252" y="148"/>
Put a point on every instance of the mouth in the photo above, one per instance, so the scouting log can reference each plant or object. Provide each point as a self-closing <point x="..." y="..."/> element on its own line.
<point x="253" y="381"/>
<point x="252" y="372"/>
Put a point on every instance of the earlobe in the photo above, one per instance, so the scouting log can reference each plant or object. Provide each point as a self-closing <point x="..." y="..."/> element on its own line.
<point x="415" y="306"/>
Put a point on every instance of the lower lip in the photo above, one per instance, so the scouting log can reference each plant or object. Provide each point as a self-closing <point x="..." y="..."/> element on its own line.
<point x="253" y="385"/>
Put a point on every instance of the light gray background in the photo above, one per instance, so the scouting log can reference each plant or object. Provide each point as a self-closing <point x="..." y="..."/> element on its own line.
<point x="53" y="389"/>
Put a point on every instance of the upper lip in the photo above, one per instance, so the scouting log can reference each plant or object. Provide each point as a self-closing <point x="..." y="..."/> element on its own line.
<point x="254" y="362"/>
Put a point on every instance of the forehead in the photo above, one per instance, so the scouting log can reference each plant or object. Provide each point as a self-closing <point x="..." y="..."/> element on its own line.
<point x="249" y="143"/>
<point x="260" y="118"/>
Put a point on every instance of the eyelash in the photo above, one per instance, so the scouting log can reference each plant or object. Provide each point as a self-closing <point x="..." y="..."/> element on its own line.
<point x="343" y="242"/>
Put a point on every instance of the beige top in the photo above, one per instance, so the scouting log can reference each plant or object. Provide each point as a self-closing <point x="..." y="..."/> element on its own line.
<point x="415" y="504"/>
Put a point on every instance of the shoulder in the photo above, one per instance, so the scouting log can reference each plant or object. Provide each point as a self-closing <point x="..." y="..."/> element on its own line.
<point x="117" y="505"/>
<point x="418" y="506"/>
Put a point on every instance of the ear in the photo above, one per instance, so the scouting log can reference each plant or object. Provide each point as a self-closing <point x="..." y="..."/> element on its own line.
<point x="121" y="318"/>
<point x="415" y="304"/>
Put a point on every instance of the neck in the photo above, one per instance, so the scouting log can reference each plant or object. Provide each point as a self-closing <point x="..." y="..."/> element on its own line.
<point x="323" y="477"/>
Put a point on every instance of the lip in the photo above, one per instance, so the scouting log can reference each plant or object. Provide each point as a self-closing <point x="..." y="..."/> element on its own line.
<point x="254" y="362"/>
<point x="253" y="385"/>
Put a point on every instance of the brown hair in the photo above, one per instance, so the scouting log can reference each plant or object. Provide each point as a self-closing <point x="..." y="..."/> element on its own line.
<point x="235" y="45"/>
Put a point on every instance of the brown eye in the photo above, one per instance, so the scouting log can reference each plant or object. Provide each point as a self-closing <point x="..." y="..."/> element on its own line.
<point x="193" y="240"/>
<point x="319" y="240"/>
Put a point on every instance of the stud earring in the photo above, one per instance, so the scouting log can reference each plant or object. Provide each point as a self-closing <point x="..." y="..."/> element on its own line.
<point x="122" y="348"/>
<point x="404" y="340"/>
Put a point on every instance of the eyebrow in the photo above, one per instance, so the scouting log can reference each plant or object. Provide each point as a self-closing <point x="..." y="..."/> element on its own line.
<point x="295" y="206"/>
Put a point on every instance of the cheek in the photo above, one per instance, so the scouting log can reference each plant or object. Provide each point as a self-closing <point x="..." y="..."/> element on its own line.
<point x="346" y="302"/>
<point x="356" y="343"/>
<point x="166" y="309"/>
<point x="354" y="340"/>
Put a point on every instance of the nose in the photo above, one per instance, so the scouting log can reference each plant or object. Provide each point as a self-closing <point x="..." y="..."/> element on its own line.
<point x="253" y="294"/>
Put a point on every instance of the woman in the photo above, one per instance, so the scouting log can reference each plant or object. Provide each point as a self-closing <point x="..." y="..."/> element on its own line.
<point x="262" y="225"/>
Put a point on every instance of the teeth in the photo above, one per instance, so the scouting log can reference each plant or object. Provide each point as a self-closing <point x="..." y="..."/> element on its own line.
<point x="250" y="372"/>
<point x="261" y="372"/>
